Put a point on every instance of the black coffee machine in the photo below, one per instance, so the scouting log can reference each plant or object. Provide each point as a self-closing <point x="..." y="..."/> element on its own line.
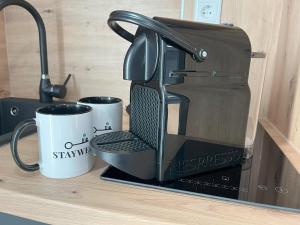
<point x="189" y="98"/>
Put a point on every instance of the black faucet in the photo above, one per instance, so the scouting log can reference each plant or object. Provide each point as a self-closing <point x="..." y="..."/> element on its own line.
<point x="47" y="91"/>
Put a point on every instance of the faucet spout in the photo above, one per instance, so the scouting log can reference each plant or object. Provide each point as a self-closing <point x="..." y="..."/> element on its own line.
<point x="41" y="28"/>
<point x="46" y="90"/>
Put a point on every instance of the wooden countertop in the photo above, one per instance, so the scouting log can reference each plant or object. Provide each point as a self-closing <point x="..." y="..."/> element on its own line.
<point x="89" y="200"/>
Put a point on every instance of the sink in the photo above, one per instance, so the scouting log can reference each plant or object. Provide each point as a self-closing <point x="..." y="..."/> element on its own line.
<point x="15" y="110"/>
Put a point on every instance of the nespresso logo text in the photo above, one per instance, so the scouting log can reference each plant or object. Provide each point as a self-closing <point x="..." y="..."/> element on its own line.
<point x="207" y="161"/>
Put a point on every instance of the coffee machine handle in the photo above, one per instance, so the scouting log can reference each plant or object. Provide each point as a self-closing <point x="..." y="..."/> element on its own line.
<point x="153" y="25"/>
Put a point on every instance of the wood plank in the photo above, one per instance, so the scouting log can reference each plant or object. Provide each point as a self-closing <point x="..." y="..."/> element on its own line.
<point x="79" y="42"/>
<point x="4" y="75"/>
<point x="251" y="16"/>
<point x="282" y="96"/>
<point x="288" y="149"/>
<point x="88" y="200"/>
<point x="78" y="36"/>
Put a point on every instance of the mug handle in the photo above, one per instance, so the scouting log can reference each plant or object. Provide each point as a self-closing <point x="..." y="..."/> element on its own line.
<point x="14" y="145"/>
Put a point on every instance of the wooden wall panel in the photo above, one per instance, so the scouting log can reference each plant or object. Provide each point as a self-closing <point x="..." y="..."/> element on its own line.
<point x="79" y="42"/>
<point x="4" y="75"/>
<point x="282" y="95"/>
<point x="258" y="24"/>
<point x="274" y="81"/>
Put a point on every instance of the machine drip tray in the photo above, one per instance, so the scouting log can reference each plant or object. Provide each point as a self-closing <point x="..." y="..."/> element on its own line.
<point x="270" y="180"/>
<point x="126" y="151"/>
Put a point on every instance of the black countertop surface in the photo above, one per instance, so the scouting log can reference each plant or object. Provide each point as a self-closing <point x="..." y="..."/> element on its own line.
<point x="266" y="179"/>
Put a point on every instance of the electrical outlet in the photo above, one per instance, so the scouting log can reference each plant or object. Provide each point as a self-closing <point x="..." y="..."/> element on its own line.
<point x="208" y="11"/>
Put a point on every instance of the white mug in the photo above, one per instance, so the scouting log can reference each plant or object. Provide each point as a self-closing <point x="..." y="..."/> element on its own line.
<point x="107" y="113"/>
<point x="64" y="131"/>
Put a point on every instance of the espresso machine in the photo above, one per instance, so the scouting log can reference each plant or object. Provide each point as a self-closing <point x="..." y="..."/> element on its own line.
<point x="189" y="99"/>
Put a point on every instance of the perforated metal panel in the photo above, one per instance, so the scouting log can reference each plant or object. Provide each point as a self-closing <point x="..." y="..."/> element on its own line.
<point x="120" y="141"/>
<point x="114" y="137"/>
<point x="126" y="152"/>
<point x="126" y="146"/>
<point x="144" y="117"/>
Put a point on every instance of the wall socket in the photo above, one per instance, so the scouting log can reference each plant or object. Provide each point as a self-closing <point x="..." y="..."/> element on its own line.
<point x="208" y="11"/>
